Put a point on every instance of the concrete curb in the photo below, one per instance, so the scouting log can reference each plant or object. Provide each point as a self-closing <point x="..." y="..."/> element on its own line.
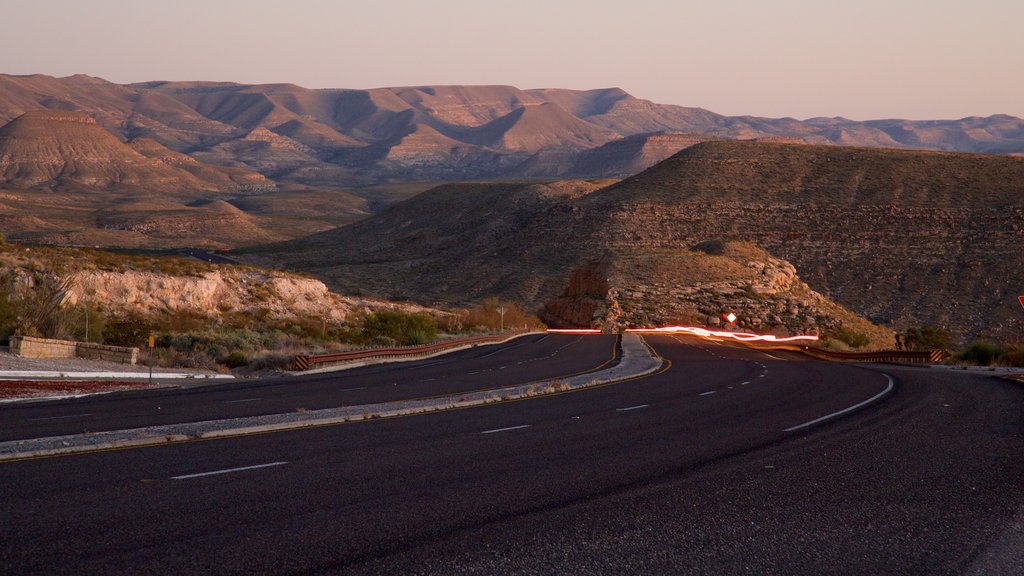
<point x="637" y="360"/>
<point x="374" y="361"/>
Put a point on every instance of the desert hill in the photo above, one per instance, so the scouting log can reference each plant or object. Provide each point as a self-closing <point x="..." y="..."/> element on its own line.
<point x="70" y="149"/>
<point x="904" y="238"/>
<point x="333" y="137"/>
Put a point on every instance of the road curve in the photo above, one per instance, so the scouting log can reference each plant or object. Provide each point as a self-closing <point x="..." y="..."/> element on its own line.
<point x="526" y="359"/>
<point x="690" y="471"/>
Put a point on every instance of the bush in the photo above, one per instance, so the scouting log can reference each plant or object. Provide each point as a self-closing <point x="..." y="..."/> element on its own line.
<point x="980" y="353"/>
<point x="488" y="316"/>
<point x="235" y="360"/>
<point x="129" y="330"/>
<point x="390" y="326"/>
<point x="851" y="338"/>
<point x="925" y="338"/>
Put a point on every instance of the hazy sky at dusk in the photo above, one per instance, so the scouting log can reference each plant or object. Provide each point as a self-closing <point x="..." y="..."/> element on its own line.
<point x="860" y="59"/>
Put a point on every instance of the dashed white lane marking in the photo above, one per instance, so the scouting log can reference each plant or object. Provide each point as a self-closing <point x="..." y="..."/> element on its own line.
<point x="632" y="408"/>
<point x="845" y="410"/>
<point x="351" y="389"/>
<point x="744" y="383"/>
<point x="760" y="375"/>
<point x="59" y="417"/>
<point x="240" y="401"/>
<point x="227" y="471"/>
<point x="506" y="429"/>
<point x="706" y="393"/>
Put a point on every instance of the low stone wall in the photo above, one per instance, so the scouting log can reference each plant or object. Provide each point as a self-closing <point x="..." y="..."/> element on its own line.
<point x="29" y="347"/>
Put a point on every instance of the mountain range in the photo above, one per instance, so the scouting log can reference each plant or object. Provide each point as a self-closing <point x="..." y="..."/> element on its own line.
<point x="299" y="137"/>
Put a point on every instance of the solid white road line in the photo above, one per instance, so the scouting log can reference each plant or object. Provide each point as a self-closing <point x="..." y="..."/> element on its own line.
<point x="59" y="417"/>
<point x="845" y="410"/>
<point x="237" y="401"/>
<point x="706" y="393"/>
<point x="632" y="408"/>
<point x="505" y="429"/>
<point x="227" y="471"/>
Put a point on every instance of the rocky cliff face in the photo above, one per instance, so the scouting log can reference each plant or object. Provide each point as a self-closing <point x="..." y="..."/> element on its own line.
<point x="696" y="287"/>
<point x="179" y="287"/>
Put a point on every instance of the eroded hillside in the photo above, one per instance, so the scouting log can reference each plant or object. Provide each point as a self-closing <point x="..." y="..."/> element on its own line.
<point x="904" y="238"/>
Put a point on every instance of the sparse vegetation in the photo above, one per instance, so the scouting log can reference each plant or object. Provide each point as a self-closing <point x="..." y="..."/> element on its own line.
<point x="924" y="338"/>
<point x="494" y="314"/>
<point x="991" y="354"/>
<point x="390" y="327"/>
<point x="850" y="338"/>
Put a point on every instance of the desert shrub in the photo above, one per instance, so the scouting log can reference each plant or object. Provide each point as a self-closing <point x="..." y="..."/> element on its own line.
<point x="851" y="338"/>
<point x="40" y="310"/>
<point x="235" y="359"/>
<point x="88" y="323"/>
<point x="131" y="329"/>
<point x="925" y="338"/>
<point x="980" y="353"/>
<point x="389" y="326"/>
<point x="487" y="316"/>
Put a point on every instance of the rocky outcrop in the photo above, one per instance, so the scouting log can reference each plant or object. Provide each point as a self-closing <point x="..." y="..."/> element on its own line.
<point x="645" y="289"/>
<point x="211" y="293"/>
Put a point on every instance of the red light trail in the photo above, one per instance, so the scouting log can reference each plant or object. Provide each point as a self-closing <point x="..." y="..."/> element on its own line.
<point x="739" y="336"/>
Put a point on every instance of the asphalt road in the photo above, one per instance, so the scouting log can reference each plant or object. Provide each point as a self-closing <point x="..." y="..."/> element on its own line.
<point x="525" y="359"/>
<point x="690" y="471"/>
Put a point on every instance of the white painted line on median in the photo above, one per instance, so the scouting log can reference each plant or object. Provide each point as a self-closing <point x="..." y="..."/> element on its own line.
<point x="506" y="429"/>
<point x="227" y="471"/>
<point x="706" y="393"/>
<point x="239" y="401"/>
<point x="846" y="410"/>
<point x="632" y="408"/>
<point x="59" y="417"/>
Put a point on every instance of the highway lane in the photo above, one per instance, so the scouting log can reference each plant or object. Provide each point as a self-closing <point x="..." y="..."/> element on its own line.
<point x="649" y="476"/>
<point x="525" y="359"/>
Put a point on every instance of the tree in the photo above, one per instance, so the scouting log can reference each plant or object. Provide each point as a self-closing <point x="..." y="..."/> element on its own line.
<point x="926" y="338"/>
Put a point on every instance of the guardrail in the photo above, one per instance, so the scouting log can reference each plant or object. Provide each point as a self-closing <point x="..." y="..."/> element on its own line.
<point x="307" y="362"/>
<point x="921" y="356"/>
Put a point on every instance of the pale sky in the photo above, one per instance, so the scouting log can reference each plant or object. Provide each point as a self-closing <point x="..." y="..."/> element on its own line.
<point x="862" y="59"/>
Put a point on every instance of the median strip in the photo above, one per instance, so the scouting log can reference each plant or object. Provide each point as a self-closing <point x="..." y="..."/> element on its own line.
<point x="637" y="360"/>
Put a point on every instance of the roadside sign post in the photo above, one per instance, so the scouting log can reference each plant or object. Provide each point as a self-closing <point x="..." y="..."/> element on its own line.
<point x="152" y="343"/>
<point x="1021" y="300"/>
